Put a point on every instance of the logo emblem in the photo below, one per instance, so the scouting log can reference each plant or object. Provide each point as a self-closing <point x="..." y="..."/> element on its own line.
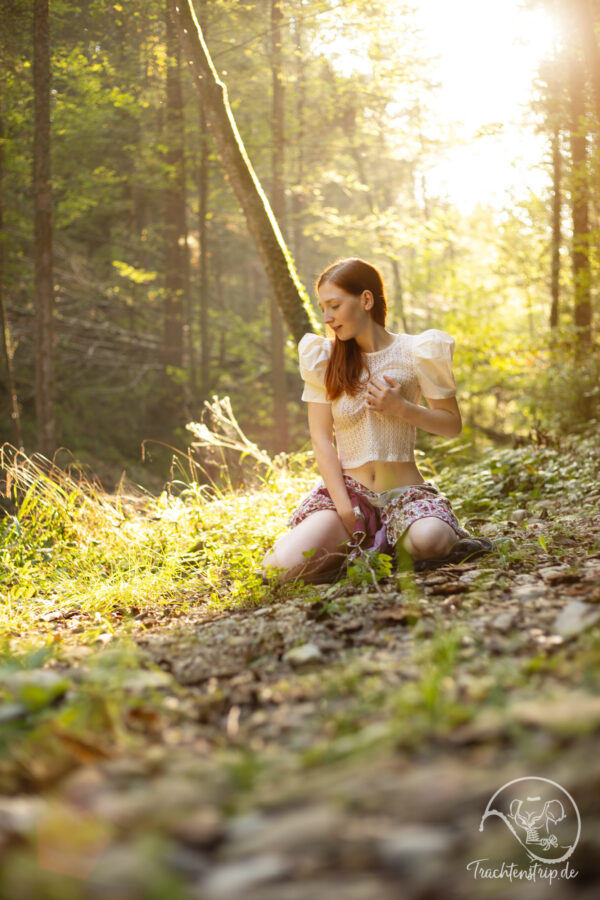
<point x="541" y="814"/>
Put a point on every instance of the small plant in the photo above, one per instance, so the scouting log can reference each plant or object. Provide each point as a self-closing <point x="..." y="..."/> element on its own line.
<point x="369" y="567"/>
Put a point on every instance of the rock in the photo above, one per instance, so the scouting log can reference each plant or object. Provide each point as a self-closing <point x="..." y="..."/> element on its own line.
<point x="412" y="848"/>
<point x="303" y="655"/>
<point x="314" y="828"/>
<point x="35" y="688"/>
<point x="558" y="574"/>
<point x="525" y="592"/>
<point x="519" y="514"/>
<point x="234" y="879"/>
<point x="488" y="529"/>
<point x="204" y="828"/>
<point x="19" y="815"/>
<point x="575" y="618"/>
<point x="10" y="712"/>
<point x="505" y="621"/>
<point x="468" y="577"/>
<point x="394" y="615"/>
<point x="570" y="712"/>
<point x="591" y="571"/>
<point x="349" y="626"/>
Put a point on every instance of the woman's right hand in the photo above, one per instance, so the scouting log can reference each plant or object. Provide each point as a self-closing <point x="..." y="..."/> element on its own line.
<point x="348" y="517"/>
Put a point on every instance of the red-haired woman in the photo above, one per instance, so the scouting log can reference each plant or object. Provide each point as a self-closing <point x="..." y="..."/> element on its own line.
<point x="365" y="385"/>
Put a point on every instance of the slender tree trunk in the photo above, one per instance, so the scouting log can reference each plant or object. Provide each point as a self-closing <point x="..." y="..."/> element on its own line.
<point x="398" y="294"/>
<point x="188" y="313"/>
<point x="221" y="305"/>
<point x="175" y="225"/>
<point x="6" y="341"/>
<point x="280" y="419"/>
<point x="202" y="187"/>
<point x="579" y="200"/>
<point x="556" y="227"/>
<point x="42" y="191"/>
<point x="584" y="15"/>
<point x="300" y="94"/>
<point x="291" y="296"/>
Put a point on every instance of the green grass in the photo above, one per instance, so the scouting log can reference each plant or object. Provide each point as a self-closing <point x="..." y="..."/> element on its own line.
<point x="71" y="546"/>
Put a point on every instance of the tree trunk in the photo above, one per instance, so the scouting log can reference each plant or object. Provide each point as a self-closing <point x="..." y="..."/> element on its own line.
<point x="300" y="93"/>
<point x="6" y="342"/>
<point x="579" y="200"/>
<point x="175" y="224"/>
<point x="556" y="227"/>
<point x="586" y="25"/>
<point x="398" y="294"/>
<point x="291" y="296"/>
<point x="202" y="187"/>
<point x="42" y="193"/>
<point x="280" y="421"/>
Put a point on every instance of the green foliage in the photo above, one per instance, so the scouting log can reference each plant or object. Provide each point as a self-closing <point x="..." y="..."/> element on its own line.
<point x="352" y="185"/>
<point x="369" y="567"/>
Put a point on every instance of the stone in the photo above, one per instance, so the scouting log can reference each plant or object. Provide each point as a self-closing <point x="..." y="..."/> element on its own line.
<point x="488" y="529"/>
<point x="203" y="828"/>
<point x="519" y="514"/>
<point x="234" y="879"/>
<point x="570" y="712"/>
<point x="412" y="848"/>
<point x="312" y="828"/>
<point x="591" y="571"/>
<point x="575" y="618"/>
<point x="505" y="621"/>
<point x="558" y="574"/>
<point x="303" y="655"/>
<point x="525" y="592"/>
<point x="19" y="815"/>
<point x="35" y="687"/>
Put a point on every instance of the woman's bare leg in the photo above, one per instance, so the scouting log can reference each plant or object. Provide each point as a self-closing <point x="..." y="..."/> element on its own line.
<point x="429" y="537"/>
<point x="322" y="530"/>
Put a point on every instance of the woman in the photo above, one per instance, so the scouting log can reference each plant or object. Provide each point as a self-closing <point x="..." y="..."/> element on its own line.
<point x="365" y="384"/>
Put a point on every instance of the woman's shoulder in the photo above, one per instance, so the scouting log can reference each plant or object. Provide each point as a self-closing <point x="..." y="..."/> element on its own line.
<point x="314" y="349"/>
<point x="433" y="342"/>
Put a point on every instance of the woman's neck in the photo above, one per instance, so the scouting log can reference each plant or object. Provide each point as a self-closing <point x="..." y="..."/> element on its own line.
<point x="374" y="337"/>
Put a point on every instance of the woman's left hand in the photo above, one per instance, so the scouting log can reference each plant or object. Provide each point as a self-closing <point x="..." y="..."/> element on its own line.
<point x="385" y="395"/>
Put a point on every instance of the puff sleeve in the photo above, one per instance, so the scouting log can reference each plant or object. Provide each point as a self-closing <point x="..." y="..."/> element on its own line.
<point x="313" y="351"/>
<point x="433" y="351"/>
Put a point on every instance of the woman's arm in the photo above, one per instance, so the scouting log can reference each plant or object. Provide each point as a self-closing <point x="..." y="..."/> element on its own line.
<point x="320" y="423"/>
<point x="385" y="395"/>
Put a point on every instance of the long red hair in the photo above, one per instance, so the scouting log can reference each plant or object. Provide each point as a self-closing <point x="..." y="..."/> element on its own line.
<point x="347" y="361"/>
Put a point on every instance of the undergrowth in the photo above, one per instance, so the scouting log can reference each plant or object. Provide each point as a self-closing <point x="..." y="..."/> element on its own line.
<point x="67" y="544"/>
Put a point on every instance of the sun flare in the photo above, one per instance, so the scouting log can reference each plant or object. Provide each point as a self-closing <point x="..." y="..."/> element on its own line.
<point x="484" y="60"/>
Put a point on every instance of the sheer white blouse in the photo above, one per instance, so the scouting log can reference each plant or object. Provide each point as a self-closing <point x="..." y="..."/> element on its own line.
<point x="420" y="363"/>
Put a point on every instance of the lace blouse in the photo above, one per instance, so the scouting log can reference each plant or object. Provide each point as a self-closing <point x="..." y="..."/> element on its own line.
<point x="420" y="363"/>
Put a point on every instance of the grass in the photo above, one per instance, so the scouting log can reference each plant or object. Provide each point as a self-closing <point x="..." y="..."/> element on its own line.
<point x="68" y="548"/>
<point x="71" y="546"/>
<point x="68" y="545"/>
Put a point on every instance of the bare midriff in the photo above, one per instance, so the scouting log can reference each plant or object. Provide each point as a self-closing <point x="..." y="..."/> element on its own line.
<point x="380" y="475"/>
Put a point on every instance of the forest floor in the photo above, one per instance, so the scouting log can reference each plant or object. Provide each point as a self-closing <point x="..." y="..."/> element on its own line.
<point x="334" y="741"/>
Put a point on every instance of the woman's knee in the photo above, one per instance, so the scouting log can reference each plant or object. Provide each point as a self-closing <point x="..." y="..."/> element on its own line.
<point x="429" y="536"/>
<point x="322" y="533"/>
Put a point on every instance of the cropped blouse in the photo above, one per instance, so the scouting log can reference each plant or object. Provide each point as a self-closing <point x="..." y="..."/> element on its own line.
<point x="420" y="363"/>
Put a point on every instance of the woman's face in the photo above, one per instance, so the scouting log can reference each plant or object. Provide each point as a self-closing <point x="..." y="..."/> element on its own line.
<point x="347" y="314"/>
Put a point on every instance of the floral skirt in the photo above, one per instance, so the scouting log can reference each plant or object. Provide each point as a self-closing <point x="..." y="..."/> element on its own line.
<point x="400" y="506"/>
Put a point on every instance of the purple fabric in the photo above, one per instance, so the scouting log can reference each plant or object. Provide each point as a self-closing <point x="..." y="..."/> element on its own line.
<point x="369" y="530"/>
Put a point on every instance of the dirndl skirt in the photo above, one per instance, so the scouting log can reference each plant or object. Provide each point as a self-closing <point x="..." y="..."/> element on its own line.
<point x="400" y="506"/>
